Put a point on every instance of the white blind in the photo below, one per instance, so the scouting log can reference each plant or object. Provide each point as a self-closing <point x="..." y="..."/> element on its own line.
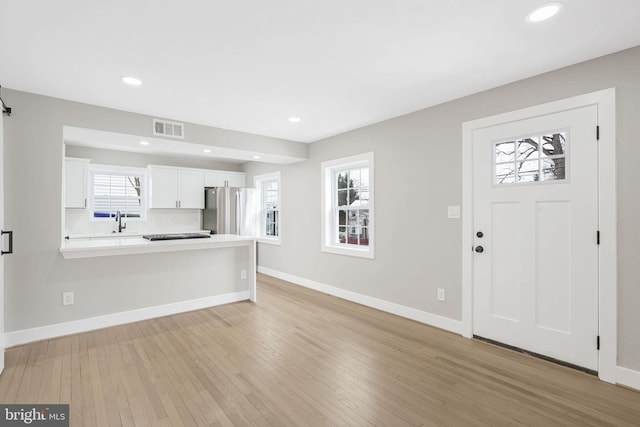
<point x="112" y="192"/>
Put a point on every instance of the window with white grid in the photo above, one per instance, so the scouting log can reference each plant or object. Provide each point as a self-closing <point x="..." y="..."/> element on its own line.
<point x="117" y="190"/>
<point x="268" y="187"/>
<point x="347" y="220"/>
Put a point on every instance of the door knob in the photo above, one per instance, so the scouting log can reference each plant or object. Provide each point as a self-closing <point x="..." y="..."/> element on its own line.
<point x="479" y="249"/>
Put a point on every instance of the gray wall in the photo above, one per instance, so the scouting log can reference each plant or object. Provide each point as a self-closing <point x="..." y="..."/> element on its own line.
<point x="36" y="274"/>
<point x="418" y="174"/>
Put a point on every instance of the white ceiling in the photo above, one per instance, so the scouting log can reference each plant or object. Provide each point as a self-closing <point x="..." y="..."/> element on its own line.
<point x="248" y="65"/>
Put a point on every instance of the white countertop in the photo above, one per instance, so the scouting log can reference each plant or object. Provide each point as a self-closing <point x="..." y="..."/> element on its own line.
<point x="125" y="234"/>
<point x="134" y="244"/>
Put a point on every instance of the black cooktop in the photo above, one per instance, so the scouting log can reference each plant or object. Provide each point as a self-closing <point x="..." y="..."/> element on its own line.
<point x="176" y="236"/>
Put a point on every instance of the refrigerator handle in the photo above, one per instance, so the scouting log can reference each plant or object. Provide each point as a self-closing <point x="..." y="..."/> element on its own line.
<point x="238" y="211"/>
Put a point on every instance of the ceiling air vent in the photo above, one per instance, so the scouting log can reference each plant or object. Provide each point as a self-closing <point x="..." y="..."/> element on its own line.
<point x="165" y="128"/>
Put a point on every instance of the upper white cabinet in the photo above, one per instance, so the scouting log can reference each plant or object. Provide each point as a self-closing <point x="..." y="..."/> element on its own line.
<point x="76" y="172"/>
<point x="163" y="187"/>
<point x="190" y="189"/>
<point x="236" y="179"/>
<point x="172" y="188"/>
<point x="214" y="179"/>
<point x="222" y="178"/>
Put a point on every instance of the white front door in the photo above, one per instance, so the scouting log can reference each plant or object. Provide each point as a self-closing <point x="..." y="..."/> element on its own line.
<point x="535" y="283"/>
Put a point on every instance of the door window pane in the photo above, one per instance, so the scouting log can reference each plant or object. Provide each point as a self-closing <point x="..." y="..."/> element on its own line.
<point x="528" y="171"/>
<point x="553" y="169"/>
<point x="536" y="158"/>
<point x="505" y="152"/>
<point x="554" y="144"/>
<point x="528" y="149"/>
<point x="505" y="173"/>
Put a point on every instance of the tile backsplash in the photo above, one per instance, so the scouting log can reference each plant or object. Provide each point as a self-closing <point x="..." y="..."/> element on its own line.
<point x="78" y="221"/>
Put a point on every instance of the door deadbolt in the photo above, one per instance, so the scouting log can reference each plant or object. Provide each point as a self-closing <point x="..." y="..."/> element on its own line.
<point x="480" y="234"/>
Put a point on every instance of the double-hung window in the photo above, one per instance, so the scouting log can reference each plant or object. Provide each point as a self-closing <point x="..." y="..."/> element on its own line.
<point x="347" y="205"/>
<point x="117" y="189"/>
<point x="268" y="187"/>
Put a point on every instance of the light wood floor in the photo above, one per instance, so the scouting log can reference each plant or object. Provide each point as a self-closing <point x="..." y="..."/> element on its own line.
<point x="298" y="358"/>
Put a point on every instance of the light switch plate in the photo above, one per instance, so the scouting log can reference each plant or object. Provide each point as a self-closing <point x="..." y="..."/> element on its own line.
<point x="67" y="298"/>
<point x="453" y="211"/>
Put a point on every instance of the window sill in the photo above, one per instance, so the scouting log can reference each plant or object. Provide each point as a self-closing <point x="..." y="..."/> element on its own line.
<point x="269" y="241"/>
<point x="355" y="252"/>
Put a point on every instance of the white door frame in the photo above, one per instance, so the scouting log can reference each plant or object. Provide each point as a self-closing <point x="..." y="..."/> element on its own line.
<point x="2" y="326"/>
<point x="607" y="273"/>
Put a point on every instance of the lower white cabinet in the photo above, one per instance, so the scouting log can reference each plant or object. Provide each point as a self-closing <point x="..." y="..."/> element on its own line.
<point x="175" y="188"/>
<point x="76" y="173"/>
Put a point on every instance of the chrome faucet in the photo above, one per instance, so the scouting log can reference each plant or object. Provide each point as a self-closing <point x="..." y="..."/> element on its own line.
<point x="119" y="221"/>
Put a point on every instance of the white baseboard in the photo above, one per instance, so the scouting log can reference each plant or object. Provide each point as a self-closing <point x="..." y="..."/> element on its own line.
<point x="389" y="307"/>
<point x="77" y="326"/>
<point x="628" y="377"/>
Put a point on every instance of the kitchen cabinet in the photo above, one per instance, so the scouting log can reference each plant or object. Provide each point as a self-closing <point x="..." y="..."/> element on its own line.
<point x="220" y="178"/>
<point x="76" y="176"/>
<point x="175" y="188"/>
<point x="237" y="179"/>
<point x="190" y="189"/>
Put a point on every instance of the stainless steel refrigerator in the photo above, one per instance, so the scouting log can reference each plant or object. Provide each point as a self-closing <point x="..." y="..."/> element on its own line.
<point x="230" y="210"/>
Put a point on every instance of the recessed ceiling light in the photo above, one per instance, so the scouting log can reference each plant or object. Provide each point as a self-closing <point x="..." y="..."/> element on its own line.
<point x="256" y="157"/>
<point x="132" y="81"/>
<point x="544" y="12"/>
<point x="294" y="119"/>
<point x="206" y="150"/>
<point x="144" y="142"/>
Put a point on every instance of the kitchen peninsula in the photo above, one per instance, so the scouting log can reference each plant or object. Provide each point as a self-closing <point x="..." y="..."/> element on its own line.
<point x="126" y="278"/>
<point x="98" y="246"/>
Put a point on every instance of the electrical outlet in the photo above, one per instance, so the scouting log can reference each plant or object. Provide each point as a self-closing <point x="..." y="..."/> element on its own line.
<point x="441" y="295"/>
<point x="67" y="298"/>
<point x="243" y="274"/>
